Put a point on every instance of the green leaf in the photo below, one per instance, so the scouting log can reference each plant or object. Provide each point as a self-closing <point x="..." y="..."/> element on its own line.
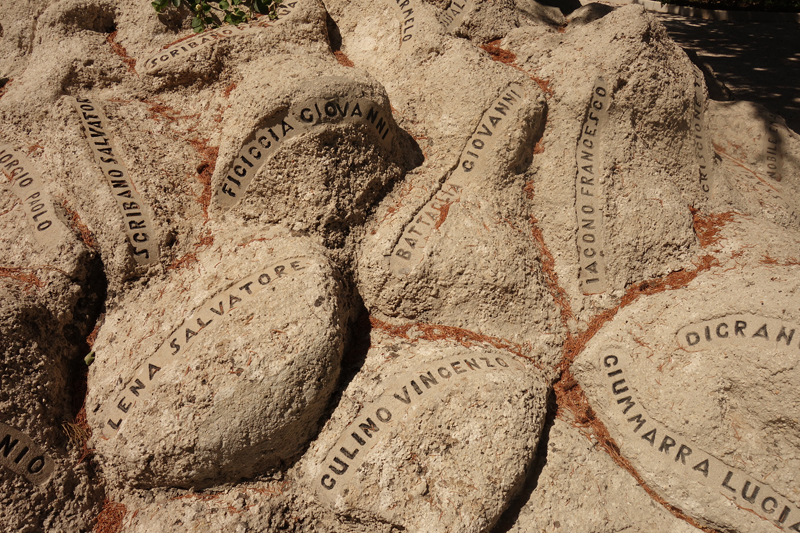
<point x="89" y="359"/>
<point x="229" y="10"/>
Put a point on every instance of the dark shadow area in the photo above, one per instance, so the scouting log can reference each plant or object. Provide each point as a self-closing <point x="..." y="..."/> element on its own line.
<point x="779" y="6"/>
<point x="511" y="514"/>
<point x="355" y="352"/>
<point x="89" y="313"/>
<point x="757" y="61"/>
<point x="334" y="36"/>
<point x="566" y="6"/>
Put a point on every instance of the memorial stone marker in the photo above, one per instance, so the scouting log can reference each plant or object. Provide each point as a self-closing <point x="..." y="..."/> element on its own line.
<point x="687" y="461"/>
<point x="22" y="456"/>
<point x="404" y="10"/>
<point x="146" y="377"/>
<point x="136" y="219"/>
<point x="695" y="408"/>
<point x="454" y="14"/>
<point x="772" y="147"/>
<point x="385" y="439"/>
<point x="589" y="193"/>
<point x="239" y="356"/>
<point x="738" y="329"/>
<point x="27" y="185"/>
<point x="410" y="265"/>
<point x="701" y="138"/>
<point x="301" y="118"/>
<point x="409" y="250"/>
<point x="394" y="404"/>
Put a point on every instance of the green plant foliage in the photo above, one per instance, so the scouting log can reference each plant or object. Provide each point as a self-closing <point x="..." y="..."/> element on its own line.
<point x="215" y="13"/>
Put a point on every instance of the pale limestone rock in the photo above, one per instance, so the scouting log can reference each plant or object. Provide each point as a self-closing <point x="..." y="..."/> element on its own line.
<point x="50" y="293"/>
<point x="711" y="371"/>
<point x="448" y="211"/>
<point x="600" y="496"/>
<point x="224" y="374"/>
<point x="430" y="435"/>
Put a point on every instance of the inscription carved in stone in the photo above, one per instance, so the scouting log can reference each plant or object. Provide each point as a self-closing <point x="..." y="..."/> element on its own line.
<point x="676" y="454"/>
<point x="287" y="124"/>
<point x="402" y="393"/>
<point x="771" y="195"/>
<point x="22" y="456"/>
<point x="409" y="250"/>
<point x="404" y="10"/>
<point x="701" y="144"/>
<point x="772" y="147"/>
<point x="138" y="224"/>
<point x="178" y="345"/>
<point x="588" y="194"/>
<point x="205" y="39"/>
<point x="742" y="329"/>
<point x="455" y="13"/>
<point x="27" y="184"/>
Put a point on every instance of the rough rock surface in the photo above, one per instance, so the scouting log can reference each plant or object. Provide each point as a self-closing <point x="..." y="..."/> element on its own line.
<point x="600" y="497"/>
<point x="715" y="434"/>
<point x="239" y="351"/>
<point x="428" y="433"/>
<point x="390" y="265"/>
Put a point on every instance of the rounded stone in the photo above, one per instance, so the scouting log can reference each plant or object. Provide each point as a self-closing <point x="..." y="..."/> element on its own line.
<point x="220" y="371"/>
<point x="697" y="388"/>
<point x="432" y="436"/>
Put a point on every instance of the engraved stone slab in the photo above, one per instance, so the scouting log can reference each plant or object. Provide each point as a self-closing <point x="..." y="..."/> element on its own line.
<point x="589" y="194"/>
<point x="404" y="9"/>
<point x="410" y="248"/>
<point x="701" y="142"/>
<point x="760" y="195"/>
<point x="22" y="456"/>
<point x="238" y="385"/>
<point x="136" y="219"/>
<point x="740" y="329"/>
<point x="432" y="436"/>
<point x="299" y="119"/>
<point x="700" y="399"/>
<point x="180" y="342"/>
<point x="243" y="391"/>
<point x="675" y="452"/>
<point x="185" y="48"/>
<point x="455" y="12"/>
<point x="432" y="381"/>
<point x="27" y="184"/>
<point x="645" y="221"/>
<point x="773" y="152"/>
<point x="741" y="132"/>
